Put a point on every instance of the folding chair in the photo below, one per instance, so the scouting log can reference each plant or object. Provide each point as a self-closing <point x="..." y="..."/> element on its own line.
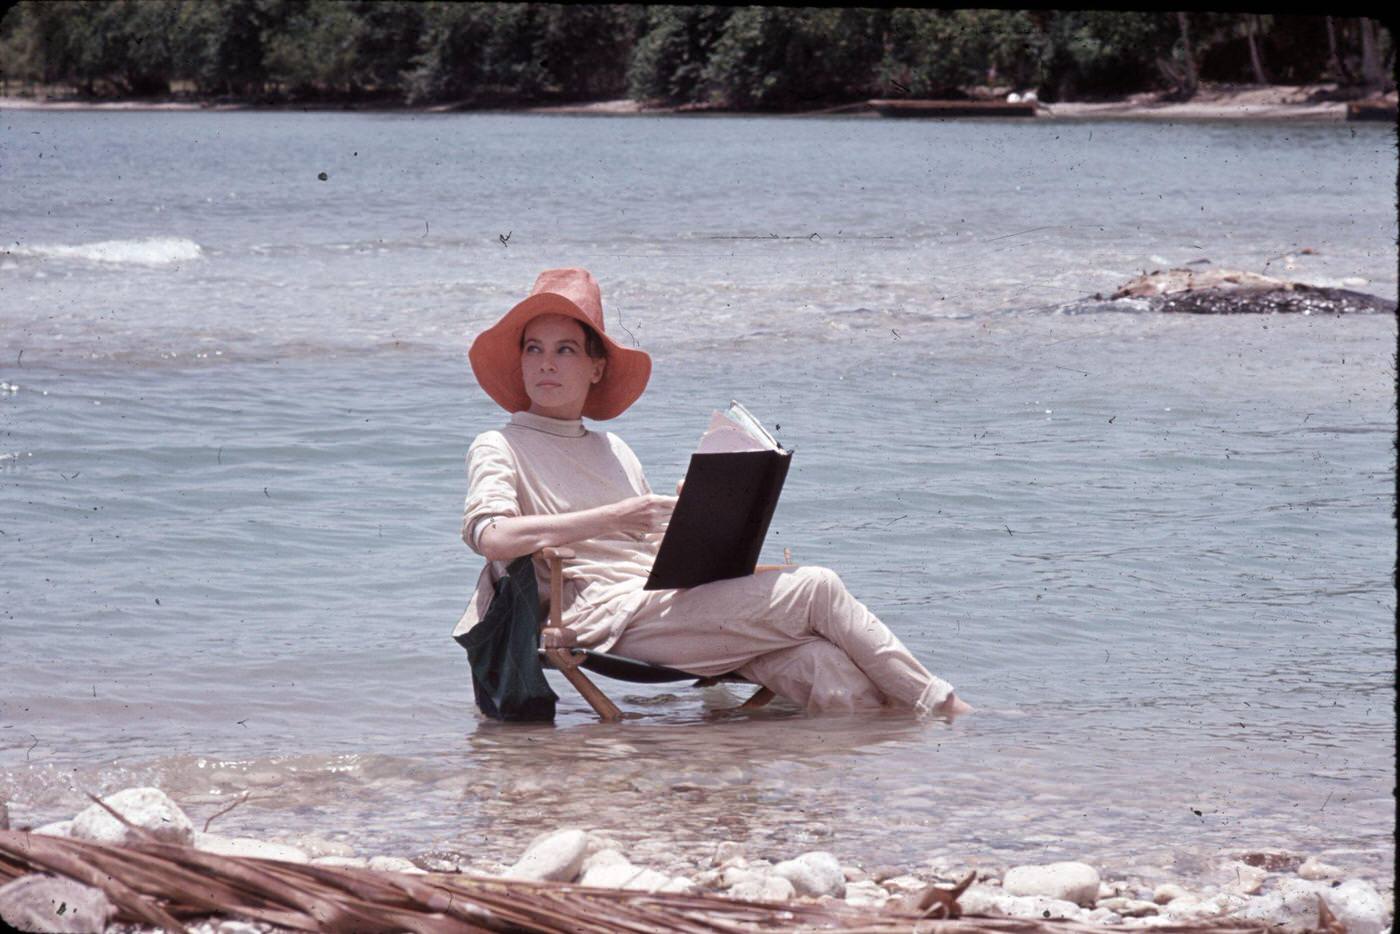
<point x="559" y="650"/>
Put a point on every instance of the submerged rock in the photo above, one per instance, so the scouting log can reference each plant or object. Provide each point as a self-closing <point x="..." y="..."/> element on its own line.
<point x="1068" y="881"/>
<point x="150" y="809"/>
<point x="50" y="903"/>
<point x="1232" y="291"/>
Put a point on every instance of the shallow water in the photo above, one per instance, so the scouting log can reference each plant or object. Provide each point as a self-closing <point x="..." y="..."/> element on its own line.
<point x="1155" y="552"/>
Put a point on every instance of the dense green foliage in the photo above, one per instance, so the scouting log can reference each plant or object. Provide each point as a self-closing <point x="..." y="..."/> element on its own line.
<point x="740" y="57"/>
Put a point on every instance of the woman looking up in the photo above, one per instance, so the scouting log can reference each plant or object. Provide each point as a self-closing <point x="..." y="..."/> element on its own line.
<point x="545" y="480"/>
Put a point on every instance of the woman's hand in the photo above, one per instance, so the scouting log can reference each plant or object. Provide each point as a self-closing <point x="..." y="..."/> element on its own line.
<point x="640" y="515"/>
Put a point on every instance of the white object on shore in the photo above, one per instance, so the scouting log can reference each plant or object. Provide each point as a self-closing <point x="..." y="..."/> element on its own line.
<point x="1244" y="879"/>
<point x="1013" y="98"/>
<point x="147" y="808"/>
<point x="866" y="893"/>
<point x="552" y="857"/>
<point x="1314" y="870"/>
<point x="341" y="862"/>
<point x="1168" y="891"/>
<point x="50" y="903"/>
<point x="763" y="888"/>
<point x="986" y="900"/>
<point x="1358" y="905"/>
<point x="59" y="828"/>
<point x="394" y="864"/>
<point x="816" y="873"/>
<point x="1069" y="881"/>
<point x="251" y="847"/>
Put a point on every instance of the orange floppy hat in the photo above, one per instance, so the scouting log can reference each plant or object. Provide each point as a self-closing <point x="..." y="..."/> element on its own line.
<point x="572" y="292"/>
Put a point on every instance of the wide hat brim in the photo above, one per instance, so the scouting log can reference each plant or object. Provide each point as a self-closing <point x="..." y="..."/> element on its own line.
<point x="495" y="360"/>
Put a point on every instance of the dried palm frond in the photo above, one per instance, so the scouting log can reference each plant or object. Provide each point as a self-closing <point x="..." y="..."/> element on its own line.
<point x="164" y="884"/>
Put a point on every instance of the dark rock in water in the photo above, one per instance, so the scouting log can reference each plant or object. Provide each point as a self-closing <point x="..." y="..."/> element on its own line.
<point x="1300" y="299"/>
<point x="1233" y="292"/>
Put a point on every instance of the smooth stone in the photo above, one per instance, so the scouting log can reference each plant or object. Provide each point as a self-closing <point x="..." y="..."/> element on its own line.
<point x="985" y="900"/>
<point x="598" y="842"/>
<point x="814" y="874"/>
<point x="708" y="878"/>
<point x="1358" y="905"/>
<point x="764" y="889"/>
<point x="1067" y="881"/>
<point x="1167" y="891"/>
<point x="51" y="903"/>
<point x="855" y="874"/>
<point x="735" y="875"/>
<point x="1129" y="907"/>
<point x="1314" y="870"/>
<point x="59" y="828"/>
<point x="315" y="846"/>
<point x="1243" y="879"/>
<point x="725" y="851"/>
<point x="864" y="892"/>
<point x="344" y="862"/>
<point x="250" y="847"/>
<point x="1293" y="906"/>
<point x="394" y="864"/>
<point x="552" y="857"/>
<point x="1103" y="915"/>
<point x="904" y="885"/>
<point x="147" y="808"/>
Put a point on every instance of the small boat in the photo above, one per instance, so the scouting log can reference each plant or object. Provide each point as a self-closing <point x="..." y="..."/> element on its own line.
<point x="1375" y="109"/>
<point x="967" y="108"/>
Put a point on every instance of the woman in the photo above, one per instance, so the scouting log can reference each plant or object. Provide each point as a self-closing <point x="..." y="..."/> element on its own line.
<point x="546" y="481"/>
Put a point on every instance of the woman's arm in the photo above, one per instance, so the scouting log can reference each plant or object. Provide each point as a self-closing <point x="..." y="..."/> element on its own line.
<point x="503" y="538"/>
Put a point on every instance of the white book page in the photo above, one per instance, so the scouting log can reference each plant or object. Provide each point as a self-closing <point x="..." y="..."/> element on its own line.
<point x="725" y="437"/>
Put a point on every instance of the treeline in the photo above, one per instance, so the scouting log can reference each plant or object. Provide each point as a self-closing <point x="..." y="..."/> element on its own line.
<point x="736" y="57"/>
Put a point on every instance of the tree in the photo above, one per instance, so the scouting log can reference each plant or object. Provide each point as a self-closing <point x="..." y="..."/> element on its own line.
<point x="668" y="61"/>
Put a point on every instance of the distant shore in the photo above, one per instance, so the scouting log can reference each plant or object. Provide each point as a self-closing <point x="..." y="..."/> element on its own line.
<point x="1250" y="102"/>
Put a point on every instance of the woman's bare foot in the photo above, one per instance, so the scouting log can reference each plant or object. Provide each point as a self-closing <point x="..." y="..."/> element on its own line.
<point x="952" y="706"/>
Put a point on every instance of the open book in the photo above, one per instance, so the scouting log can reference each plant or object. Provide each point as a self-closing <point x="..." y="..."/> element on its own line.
<point x="731" y="489"/>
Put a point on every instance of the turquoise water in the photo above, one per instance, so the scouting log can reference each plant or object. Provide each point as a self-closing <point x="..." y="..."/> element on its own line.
<point x="1155" y="552"/>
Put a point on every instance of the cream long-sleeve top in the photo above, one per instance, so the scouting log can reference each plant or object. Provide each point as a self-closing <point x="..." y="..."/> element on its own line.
<point x="546" y="466"/>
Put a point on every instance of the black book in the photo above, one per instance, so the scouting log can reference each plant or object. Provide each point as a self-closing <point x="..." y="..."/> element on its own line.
<point x="731" y="489"/>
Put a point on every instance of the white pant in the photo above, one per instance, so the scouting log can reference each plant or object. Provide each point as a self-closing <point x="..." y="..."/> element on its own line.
<point x="797" y="631"/>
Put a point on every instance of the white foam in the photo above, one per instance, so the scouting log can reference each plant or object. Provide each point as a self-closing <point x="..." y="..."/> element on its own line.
<point x="150" y="251"/>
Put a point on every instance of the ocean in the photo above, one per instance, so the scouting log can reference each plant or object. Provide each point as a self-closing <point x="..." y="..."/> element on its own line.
<point x="1155" y="552"/>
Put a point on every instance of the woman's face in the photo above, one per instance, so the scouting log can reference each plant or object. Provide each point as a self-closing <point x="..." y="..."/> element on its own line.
<point x="558" y="371"/>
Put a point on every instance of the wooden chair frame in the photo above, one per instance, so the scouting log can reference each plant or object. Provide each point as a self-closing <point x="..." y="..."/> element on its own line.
<point x="559" y="648"/>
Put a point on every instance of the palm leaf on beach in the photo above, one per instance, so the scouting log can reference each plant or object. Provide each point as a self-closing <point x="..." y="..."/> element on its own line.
<point x="163" y="885"/>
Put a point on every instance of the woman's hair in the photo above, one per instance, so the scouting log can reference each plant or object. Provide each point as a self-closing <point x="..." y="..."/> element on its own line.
<point x="592" y="344"/>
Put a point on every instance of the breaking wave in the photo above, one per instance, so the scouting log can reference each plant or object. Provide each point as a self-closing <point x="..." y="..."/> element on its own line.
<point x="149" y="251"/>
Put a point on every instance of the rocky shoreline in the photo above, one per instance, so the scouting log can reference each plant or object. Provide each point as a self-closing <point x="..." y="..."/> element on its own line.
<point x="1315" y="102"/>
<point x="1279" y="891"/>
